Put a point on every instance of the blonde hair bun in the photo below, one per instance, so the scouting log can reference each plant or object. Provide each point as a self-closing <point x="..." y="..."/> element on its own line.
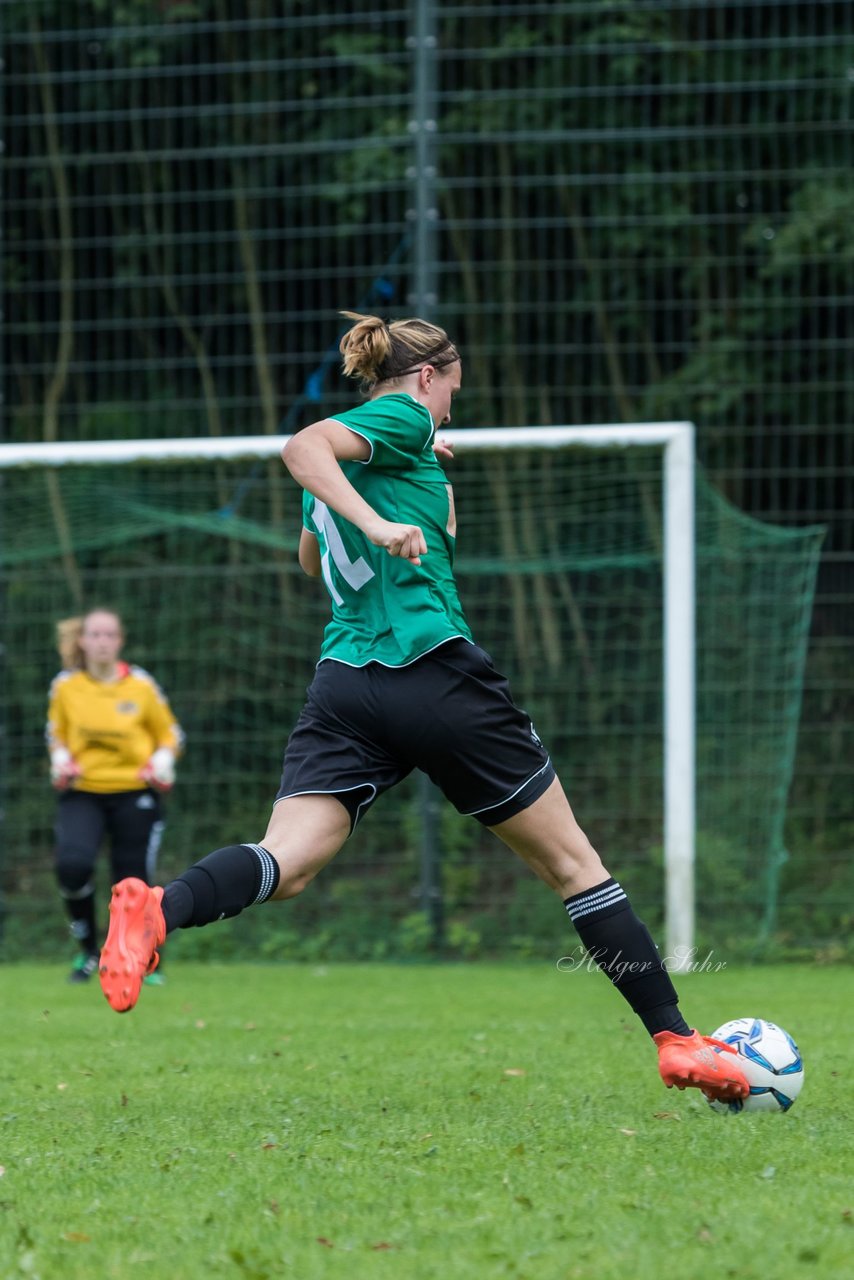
<point x="375" y="351"/>
<point x="365" y="347"/>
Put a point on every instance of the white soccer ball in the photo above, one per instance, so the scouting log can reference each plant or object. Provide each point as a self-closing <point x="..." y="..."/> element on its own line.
<point x="770" y="1060"/>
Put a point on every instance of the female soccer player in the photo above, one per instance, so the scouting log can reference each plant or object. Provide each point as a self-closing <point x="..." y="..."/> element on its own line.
<point x="113" y="741"/>
<point x="401" y="685"/>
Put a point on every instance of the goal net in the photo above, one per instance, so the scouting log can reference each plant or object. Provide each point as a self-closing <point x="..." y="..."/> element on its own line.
<point x="576" y="561"/>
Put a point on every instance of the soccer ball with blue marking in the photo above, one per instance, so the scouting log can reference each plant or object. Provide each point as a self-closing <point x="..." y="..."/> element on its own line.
<point x="770" y="1060"/>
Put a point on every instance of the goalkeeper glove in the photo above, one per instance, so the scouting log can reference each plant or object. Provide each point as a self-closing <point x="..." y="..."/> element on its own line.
<point x="63" y="768"/>
<point x="159" y="773"/>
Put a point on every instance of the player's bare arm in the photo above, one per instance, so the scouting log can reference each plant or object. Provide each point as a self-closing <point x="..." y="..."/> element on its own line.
<point x="313" y="457"/>
<point x="309" y="554"/>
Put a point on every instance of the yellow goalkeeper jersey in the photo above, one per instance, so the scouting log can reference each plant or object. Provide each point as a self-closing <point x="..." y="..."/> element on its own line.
<point x="111" y="728"/>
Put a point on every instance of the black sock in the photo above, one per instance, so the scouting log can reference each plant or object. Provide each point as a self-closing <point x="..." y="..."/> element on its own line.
<point x="81" y="910"/>
<point x="220" y="886"/>
<point x="622" y="947"/>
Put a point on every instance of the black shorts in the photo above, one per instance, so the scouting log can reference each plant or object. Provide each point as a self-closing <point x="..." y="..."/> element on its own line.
<point x="449" y="713"/>
<point x="133" y="820"/>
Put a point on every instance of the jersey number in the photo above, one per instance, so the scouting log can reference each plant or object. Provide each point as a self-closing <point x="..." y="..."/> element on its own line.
<point x="354" y="572"/>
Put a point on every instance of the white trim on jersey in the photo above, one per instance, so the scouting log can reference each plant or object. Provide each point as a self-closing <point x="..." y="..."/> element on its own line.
<point x="363" y="462"/>
<point x="357" y="666"/>
<point x="142" y="674"/>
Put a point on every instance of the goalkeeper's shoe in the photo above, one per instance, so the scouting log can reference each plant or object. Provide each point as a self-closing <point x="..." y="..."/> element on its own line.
<point x="83" y="968"/>
<point x="699" y="1062"/>
<point x="137" y="929"/>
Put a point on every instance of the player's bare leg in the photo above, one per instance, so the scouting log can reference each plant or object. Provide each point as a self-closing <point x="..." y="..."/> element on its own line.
<point x="303" y="834"/>
<point x="547" y="836"/>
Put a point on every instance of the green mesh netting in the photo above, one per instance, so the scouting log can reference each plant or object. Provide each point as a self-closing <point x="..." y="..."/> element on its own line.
<point x="559" y="560"/>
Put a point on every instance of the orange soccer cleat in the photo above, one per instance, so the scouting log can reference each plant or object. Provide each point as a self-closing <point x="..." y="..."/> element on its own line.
<point x="700" y="1062"/>
<point x="137" y="929"/>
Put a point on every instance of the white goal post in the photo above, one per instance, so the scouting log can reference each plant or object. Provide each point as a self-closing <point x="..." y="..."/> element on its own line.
<point x="676" y="440"/>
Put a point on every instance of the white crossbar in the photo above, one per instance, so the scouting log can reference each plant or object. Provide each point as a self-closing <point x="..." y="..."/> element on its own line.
<point x="677" y="441"/>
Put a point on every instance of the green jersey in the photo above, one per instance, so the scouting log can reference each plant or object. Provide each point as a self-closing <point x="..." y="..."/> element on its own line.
<point x="385" y="609"/>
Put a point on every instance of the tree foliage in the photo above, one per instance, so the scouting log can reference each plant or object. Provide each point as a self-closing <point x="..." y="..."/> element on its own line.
<point x="645" y="211"/>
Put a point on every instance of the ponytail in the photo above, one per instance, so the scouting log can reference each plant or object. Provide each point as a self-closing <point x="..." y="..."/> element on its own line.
<point x="365" y="348"/>
<point x="68" y="633"/>
<point x="375" y="351"/>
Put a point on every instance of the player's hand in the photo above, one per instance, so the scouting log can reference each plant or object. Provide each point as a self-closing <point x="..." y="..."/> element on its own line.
<point x="443" y="450"/>
<point x="63" y="768"/>
<point x="404" y="540"/>
<point x="159" y="773"/>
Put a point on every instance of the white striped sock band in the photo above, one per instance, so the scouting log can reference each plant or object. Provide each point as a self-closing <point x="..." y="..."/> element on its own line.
<point x="596" y="900"/>
<point x="268" y="872"/>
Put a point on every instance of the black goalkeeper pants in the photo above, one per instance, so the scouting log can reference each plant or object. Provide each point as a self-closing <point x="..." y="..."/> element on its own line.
<point x="133" y="822"/>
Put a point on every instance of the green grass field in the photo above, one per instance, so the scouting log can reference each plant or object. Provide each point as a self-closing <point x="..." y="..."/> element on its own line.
<point x="410" y="1122"/>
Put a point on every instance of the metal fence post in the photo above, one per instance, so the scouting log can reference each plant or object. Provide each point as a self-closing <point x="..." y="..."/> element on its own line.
<point x="423" y="296"/>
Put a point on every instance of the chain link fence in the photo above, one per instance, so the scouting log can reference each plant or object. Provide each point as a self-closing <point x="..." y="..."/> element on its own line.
<point x="621" y="213"/>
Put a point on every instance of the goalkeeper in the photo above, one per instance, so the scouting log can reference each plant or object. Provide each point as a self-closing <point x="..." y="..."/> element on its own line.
<point x="401" y="685"/>
<point x="113" y="741"/>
